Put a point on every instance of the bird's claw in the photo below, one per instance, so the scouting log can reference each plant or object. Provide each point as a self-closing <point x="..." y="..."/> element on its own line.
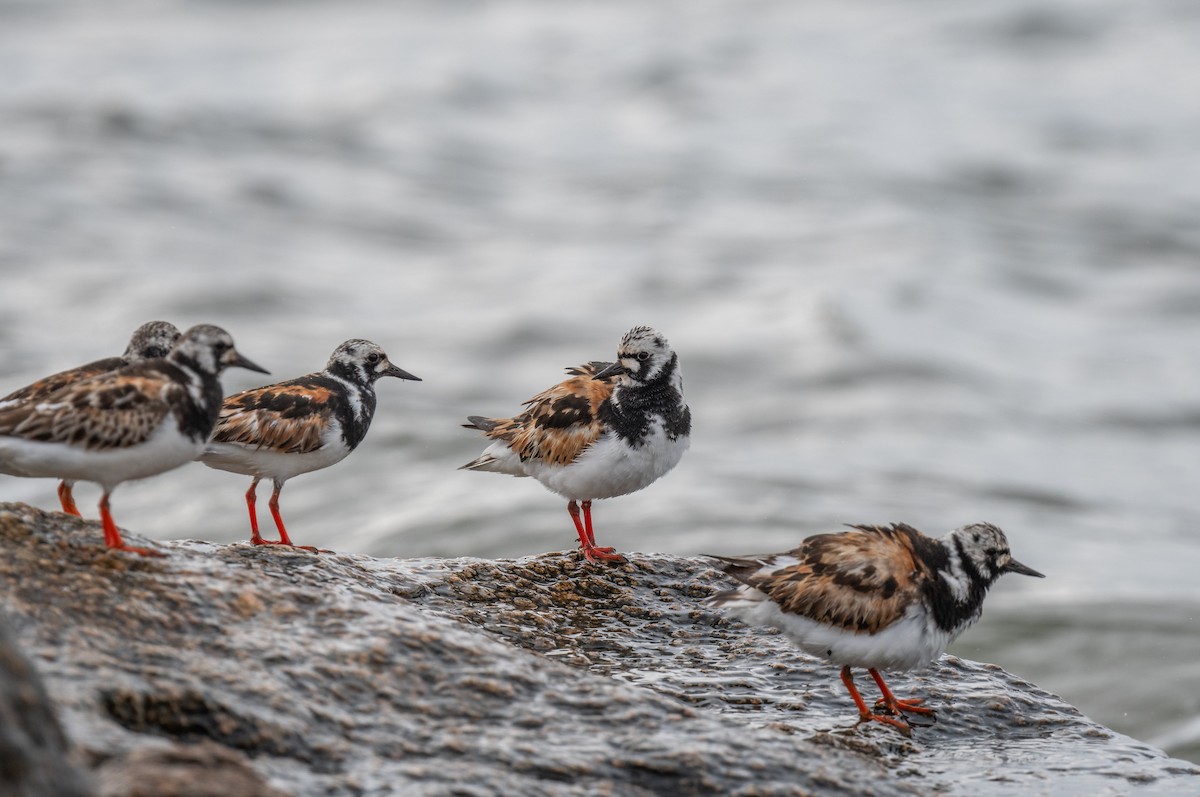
<point x="607" y="554"/>
<point x="898" y="723"/>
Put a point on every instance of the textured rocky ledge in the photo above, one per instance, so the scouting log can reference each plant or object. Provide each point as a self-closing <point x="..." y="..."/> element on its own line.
<point x="222" y="669"/>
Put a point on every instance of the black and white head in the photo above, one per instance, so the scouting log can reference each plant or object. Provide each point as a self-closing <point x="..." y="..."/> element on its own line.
<point x="982" y="551"/>
<point x="209" y="349"/>
<point x="152" y="340"/>
<point x="363" y="363"/>
<point x="642" y="356"/>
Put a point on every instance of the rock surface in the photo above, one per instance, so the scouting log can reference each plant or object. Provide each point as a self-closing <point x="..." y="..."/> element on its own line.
<point x="203" y="769"/>
<point x="33" y="750"/>
<point x="341" y="674"/>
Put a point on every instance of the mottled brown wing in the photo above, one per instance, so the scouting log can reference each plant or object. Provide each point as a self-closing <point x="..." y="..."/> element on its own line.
<point x="105" y="412"/>
<point x="560" y="423"/>
<point x="860" y="580"/>
<point x="55" y="382"/>
<point x="288" y="417"/>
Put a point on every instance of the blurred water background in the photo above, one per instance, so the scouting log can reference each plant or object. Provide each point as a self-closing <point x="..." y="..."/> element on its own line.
<point x="927" y="261"/>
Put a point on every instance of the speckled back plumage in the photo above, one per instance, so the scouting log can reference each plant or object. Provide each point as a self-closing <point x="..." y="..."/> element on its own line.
<point x="121" y="408"/>
<point x="151" y="340"/>
<point x="858" y="581"/>
<point x="558" y="424"/>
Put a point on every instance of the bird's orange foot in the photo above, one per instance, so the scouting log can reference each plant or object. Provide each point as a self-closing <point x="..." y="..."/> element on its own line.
<point x="594" y="554"/>
<point x="67" y="499"/>
<point x="897" y="723"/>
<point x="910" y="706"/>
<point x="288" y="543"/>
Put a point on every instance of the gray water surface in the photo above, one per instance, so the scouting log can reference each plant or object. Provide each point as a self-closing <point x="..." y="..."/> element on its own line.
<point x="929" y="262"/>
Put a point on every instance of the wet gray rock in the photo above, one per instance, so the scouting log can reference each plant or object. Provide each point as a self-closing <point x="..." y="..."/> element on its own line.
<point x="346" y="675"/>
<point x="34" y="757"/>
<point x="204" y="769"/>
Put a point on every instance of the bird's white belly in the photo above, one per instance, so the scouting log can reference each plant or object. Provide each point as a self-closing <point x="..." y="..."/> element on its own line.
<point x="267" y="463"/>
<point x="164" y="450"/>
<point x="910" y="642"/>
<point x="609" y="467"/>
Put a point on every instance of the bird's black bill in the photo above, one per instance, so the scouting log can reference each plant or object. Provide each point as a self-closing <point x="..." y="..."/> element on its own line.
<point x="613" y="369"/>
<point x="400" y="373"/>
<point x="241" y="362"/>
<point x="1014" y="566"/>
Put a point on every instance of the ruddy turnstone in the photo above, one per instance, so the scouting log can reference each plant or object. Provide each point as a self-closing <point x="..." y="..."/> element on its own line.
<point x="151" y="340"/>
<point x="301" y="425"/>
<point x="137" y="421"/>
<point x="875" y="597"/>
<point x="609" y="430"/>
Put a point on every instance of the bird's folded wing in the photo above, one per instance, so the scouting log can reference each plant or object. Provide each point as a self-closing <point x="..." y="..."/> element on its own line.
<point x="109" y="411"/>
<point x="861" y="580"/>
<point x="55" y="382"/>
<point x="289" y="417"/>
<point x="558" y="424"/>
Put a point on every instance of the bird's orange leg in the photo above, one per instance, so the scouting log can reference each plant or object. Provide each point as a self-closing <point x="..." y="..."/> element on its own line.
<point x="112" y="535"/>
<point x="587" y="526"/>
<point x="895" y="704"/>
<point x="586" y="506"/>
<point x="865" y="714"/>
<point x="284" y="539"/>
<point x="251" y="498"/>
<point x="590" y="551"/>
<point x="255" y="537"/>
<point x="67" y="499"/>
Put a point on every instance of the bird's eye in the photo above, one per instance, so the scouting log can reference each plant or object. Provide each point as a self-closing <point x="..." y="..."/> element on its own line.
<point x="643" y="356"/>
<point x="373" y="358"/>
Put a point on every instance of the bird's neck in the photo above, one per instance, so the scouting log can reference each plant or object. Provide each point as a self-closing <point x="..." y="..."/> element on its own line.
<point x="957" y="590"/>
<point x="197" y="417"/>
<point x="356" y="412"/>
<point x="632" y="409"/>
<point x="661" y="394"/>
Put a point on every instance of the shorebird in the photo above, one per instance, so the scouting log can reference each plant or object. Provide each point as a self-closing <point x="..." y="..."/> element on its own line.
<point x="883" y="598"/>
<point x="301" y="425"/>
<point x="609" y="430"/>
